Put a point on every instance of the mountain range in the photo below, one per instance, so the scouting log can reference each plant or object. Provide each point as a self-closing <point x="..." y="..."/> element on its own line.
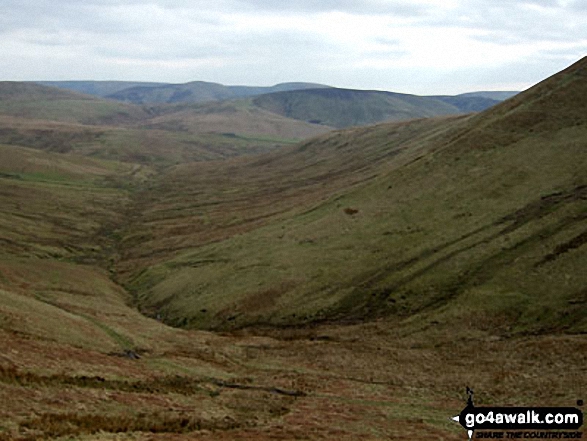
<point x="308" y="102"/>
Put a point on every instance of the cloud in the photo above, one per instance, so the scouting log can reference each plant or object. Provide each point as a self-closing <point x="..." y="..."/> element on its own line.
<point x="397" y="8"/>
<point x="394" y="45"/>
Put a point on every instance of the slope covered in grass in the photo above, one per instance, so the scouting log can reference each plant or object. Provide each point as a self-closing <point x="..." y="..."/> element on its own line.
<point x="233" y="119"/>
<point x="29" y="100"/>
<point x="346" y="107"/>
<point x="478" y="219"/>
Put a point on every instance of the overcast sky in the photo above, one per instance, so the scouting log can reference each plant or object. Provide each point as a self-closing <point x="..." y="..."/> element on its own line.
<point x="421" y="47"/>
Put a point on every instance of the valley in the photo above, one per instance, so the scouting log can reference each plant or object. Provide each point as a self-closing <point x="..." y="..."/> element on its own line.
<point x="233" y="270"/>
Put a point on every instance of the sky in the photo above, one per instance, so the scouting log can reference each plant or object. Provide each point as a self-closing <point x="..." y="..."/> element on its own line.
<point x="423" y="47"/>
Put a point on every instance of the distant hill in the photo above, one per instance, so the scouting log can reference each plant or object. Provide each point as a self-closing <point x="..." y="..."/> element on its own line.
<point x="30" y="100"/>
<point x="468" y="104"/>
<point x="370" y="106"/>
<point x="494" y="95"/>
<point x="346" y="107"/>
<point x="198" y="91"/>
<point x="97" y="88"/>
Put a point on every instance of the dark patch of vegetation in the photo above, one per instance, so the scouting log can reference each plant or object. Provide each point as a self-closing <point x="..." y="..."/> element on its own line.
<point x="64" y="424"/>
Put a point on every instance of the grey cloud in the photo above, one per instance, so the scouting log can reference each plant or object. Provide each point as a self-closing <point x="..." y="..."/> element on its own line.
<point x="397" y="8"/>
<point x="506" y="22"/>
<point x="579" y="5"/>
<point x="124" y="39"/>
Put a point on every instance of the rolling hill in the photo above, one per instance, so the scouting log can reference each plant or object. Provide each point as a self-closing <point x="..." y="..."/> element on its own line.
<point x="307" y="102"/>
<point x="58" y="120"/>
<point x="237" y="119"/>
<point x="198" y="92"/>
<point x="101" y="89"/>
<point x="33" y="101"/>
<point x="344" y="107"/>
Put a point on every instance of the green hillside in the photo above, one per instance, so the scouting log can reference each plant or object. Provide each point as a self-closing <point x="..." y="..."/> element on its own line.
<point x="477" y="219"/>
<point x="345" y="108"/>
<point x="33" y="101"/>
<point x="98" y="88"/>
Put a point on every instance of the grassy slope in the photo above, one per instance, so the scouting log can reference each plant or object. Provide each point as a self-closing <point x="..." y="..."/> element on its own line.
<point x="66" y="328"/>
<point x="234" y="119"/>
<point x="480" y="219"/>
<point x="97" y="88"/>
<point x="35" y="101"/>
<point x="345" y="108"/>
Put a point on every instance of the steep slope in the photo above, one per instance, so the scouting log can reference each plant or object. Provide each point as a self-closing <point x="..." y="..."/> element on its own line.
<point x="345" y="107"/>
<point x="480" y="219"/>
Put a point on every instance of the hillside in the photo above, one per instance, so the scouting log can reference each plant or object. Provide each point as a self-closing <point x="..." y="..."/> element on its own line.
<point x="492" y="95"/>
<point x="233" y="120"/>
<point x="33" y="101"/>
<point x="468" y="104"/>
<point x="345" y="108"/>
<point x="98" y="88"/>
<point x="481" y="213"/>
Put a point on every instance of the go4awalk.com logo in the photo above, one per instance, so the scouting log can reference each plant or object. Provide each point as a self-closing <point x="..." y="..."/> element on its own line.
<point x="520" y="422"/>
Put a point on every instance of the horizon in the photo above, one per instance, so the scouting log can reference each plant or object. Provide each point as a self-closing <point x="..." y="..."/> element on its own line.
<point x="419" y="47"/>
<point x="159" y="83"/>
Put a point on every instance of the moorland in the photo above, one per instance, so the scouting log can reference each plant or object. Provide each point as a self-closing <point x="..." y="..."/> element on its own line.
<point x="278" y="265"/>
